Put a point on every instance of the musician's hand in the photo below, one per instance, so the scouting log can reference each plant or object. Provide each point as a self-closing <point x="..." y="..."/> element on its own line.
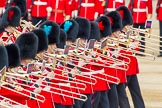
<point x="149" y="31"/>
<point x="39" y="82"/>
<point x="75" y="13"/>
<point x="96" y="15"/>
<point x="49" y="10"/>
<point x="149" y="16"/>
<point x="48" y="17"/>
<point x="51" y="75"/>
<point x="37" y="90"/>
<point x="18" y="88"/>
<point x="67" y="17"/>
<point x="2" y="10"/>
<point x="74" y="71"/>
<point x="81" y="63"/>
<point x="29" y="17"/>
<point x="36" y="68"/>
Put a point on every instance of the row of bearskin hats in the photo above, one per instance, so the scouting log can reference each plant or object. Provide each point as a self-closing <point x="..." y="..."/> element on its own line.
<point x="27" y="45"/>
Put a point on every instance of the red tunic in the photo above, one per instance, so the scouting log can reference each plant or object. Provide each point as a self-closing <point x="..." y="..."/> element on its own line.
<point x="2" y="3"/>
<point x="113" y="4"/>
<point x="159" y="11"/>
<point x="16" y="96"/>
<point x="88" y="9"/>
<point x="59" y="99"/>
<point x="60" y="8"/>
<point x="101" y="85"/>
<point x="140" y="10"/>
<point x="110" y="70"/>
<point x="38" y="7"/>
<point x="89" y="89"/>
<point x="5" y="36"/>
<point x="2" y="6"/>
<point x="133" y="65"/>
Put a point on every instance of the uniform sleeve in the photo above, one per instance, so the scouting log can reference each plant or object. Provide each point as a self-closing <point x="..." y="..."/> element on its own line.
<point x="98" y="5"/>
<point x="2" y="3"/>
<point x="129" y="5"/>
<point x="29" y="4"/>
<point x="11" y="94"/>
<point x="58" y="78"/>
<point x="149" y="5"/>
<point x="67" y="7"/>
<point x="77" y="3"/>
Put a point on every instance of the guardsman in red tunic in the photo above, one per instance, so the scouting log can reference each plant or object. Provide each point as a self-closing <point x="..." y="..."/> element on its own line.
<point x="127" y="20"/>
<point x="102" y="86"/>
<point x="38" y="10"/>
<point x="89" y="9"/>
<point x="42" y="47"/>
<point x="60" y="10"/>
<point x="159" y="17"/>
<point x="111" y="5"/>
<point x="141" y="11"/>
<point x="116" y="25"/>
<point x="52" y="31"/>
<point x="2" y="7"/>
<point x="14" y="61"/>
<point x="83" y="34"/>
<point x="133" y="70"/>
<point x="28" y="52"/>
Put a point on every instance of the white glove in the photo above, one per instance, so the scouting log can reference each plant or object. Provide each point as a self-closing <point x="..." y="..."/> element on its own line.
<point x="49" y="10"/>
<point x="96" y="15"/>
<point x="75" y="13"/>
<point x="2" y="10"/>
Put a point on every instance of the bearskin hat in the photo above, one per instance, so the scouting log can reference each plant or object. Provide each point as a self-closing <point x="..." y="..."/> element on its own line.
<point x="13" y="55"/>
<point x="104" y="26"/>
<point x="42" y="39"/>
<point x="71" y="28"/>
<point x="52" y="31"/>
<point x="3" y="57"/>
<point x="21" y="4"/>
<point x="63" y="38"/>
<point x="125" y="15"/>
<point x="84" y="27"/>
<point x="95" y="31"/>
<point x="115" y="20"/>
<point x="28" y="44"/>
<point x="11" y="17"/>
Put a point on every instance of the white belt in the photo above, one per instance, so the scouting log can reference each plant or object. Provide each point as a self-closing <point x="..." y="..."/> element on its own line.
<point x="64" y="84"/>
<point x="93" y="72"/>
<point x="87" y="4"/>
<point x="120" y="1"/>
<point x="139" y="10"/>
<point x="110" y="9"/>
<point x="144" y="0"/>
<point x="40" y="3"/>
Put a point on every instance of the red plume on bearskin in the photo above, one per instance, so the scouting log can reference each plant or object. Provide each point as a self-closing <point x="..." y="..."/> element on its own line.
<point x="125" y="15"/>
<point x="104" y="25"/>
<point x="116" y="20"/>
<point x="19" y="3"/>
<point x="11" y="17"/>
